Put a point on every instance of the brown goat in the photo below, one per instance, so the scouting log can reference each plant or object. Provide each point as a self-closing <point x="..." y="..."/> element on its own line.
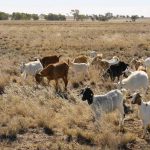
<point x="80" y="59"/>
<point x="136" y="63"/>
<point x="100" y="63"/>
<point x="45" y="61"/>
<point x="54" y="72"/>
<point x="96" y="60"/>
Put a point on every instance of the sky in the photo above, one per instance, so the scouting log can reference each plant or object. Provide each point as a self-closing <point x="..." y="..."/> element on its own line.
<point x="121" y="7"/>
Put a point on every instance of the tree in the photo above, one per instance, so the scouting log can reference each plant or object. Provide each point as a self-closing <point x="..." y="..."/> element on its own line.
<point x="35" y="17"/>
<point x="109" y="15"/>
<point x="134" y="18"/>
<point x="102" y="18"/>
<point x="21" y="16"/>
<point x="75" y="13"/>
<point x="83" y="17"/>
<point x="4" y="16"/>
<point x="54" y="17"/>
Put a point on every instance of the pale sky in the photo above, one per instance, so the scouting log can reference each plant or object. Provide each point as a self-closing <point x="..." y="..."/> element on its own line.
<point x="121" y="7"/>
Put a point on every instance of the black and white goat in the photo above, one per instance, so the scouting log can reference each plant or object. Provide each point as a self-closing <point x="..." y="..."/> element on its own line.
<point x="105" y="103"/>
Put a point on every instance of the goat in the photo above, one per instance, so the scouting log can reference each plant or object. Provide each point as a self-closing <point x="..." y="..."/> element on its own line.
<point x="144" y="110"/>
<point x="135" y="81"/>
<point x="116" y="70"/>
<point x="97" y="60"/>
<point x="104" y="64"/>
<point x="54" y="72"/>
<point x="45" y="61"/>
<point x="104" y="103"/>
<point x="80" y="68"/>
<point x="30" y="68"/>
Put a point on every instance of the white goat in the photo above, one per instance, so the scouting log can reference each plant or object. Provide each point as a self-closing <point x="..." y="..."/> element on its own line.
<point x="105" y="103"/>
<point x="135" y="81"/>
<point x="80" y="68"/>
<point x="30" y="68"/>
<point x="144" y="110"/>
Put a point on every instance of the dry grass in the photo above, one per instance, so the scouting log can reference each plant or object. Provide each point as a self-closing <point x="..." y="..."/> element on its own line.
<point x="4" y="80"/>
<point x="40" y="118"/>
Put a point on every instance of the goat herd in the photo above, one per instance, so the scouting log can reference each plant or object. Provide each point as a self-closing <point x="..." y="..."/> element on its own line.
<point x="135" y="78"/>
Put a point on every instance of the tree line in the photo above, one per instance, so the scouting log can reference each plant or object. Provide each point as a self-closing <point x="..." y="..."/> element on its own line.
<point x="27" y="16"/>
<point x="54" y="17"/>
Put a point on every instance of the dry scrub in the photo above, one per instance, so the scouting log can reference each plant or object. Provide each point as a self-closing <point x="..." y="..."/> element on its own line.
<point x="39" y="118"/>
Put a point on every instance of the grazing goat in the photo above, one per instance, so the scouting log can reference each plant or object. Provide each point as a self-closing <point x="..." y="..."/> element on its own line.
<point x="135" y="81"/>
<point x="80" y="59"/>
<point x="105" y="103"/>
<point x="100" y="64"/>
<point x="128" y="71"/>
<point x="54" y="72"/>
<point x="144" y="111"/>
<point x="97" y="60"/>
<point x="30" y="68"/>
<point x="80" y="68"/>
<point x="115" y="70"/>
<point x="45" y="61"/>
<point x="104" y="64"/>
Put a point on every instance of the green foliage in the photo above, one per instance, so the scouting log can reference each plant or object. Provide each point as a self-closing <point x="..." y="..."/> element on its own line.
<point x="59" y="17"/>
<point x="109" y="15"/>
<point x="83" y="17"/>
<point x="21" y="16"/>
<point x="35" y="17"/>
<point x="134" y="17"/>
<point x="54" y="17"/>
<point x="4" y="16"/>
<point x="99" y="17"/>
